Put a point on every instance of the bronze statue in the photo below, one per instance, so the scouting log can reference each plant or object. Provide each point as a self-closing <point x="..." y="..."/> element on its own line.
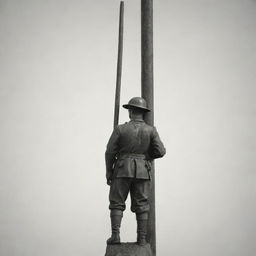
<point x="130" y="151"/>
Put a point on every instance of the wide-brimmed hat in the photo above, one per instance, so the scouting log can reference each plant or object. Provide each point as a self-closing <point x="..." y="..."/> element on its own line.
<point x="137" y="102"/>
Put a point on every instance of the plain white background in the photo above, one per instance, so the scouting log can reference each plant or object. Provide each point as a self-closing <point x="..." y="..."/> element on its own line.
<point x="57" y="80"/>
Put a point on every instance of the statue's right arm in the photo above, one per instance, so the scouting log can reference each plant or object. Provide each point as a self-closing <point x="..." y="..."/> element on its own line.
<point x="111" y="152"/>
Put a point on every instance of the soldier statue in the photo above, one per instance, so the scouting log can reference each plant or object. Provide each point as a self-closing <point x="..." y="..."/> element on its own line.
<point x="129" y="154"/>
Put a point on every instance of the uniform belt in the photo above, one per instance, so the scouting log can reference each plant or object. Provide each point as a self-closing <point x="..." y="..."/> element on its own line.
<point x="131" y="155"/>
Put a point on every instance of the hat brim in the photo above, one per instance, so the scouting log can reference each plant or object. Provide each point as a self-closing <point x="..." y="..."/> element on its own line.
<point x="129" y="106"/>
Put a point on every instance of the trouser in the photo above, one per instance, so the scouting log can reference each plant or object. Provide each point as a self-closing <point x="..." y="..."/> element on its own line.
<point x="139" y="191"/>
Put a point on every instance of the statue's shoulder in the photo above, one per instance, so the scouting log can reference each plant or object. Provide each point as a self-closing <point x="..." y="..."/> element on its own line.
<point x="123" y="125"/>
<point x="120" y="127"/>
<point x="148" y="127"/>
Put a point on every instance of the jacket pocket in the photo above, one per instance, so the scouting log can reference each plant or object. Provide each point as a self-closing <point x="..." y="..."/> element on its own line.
<point x="142" y="171"/>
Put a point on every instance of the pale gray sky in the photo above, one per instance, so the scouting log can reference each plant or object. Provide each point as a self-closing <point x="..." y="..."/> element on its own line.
<point x="57" y="80"/>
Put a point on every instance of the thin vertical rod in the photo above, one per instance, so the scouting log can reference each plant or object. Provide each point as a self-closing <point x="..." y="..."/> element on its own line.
<point x="119" y="64"/>
<point x="147" y="91"/>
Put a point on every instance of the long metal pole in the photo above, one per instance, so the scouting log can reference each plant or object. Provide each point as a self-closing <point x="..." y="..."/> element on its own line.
<point x="147" y="91"/>
<point x="119" y="64"/>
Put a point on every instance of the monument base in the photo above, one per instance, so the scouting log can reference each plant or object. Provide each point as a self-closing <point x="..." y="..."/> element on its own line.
<point x="128" y="249"/>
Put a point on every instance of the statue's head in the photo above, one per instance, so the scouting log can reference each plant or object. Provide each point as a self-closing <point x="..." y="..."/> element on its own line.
<point x="137" y="104"/>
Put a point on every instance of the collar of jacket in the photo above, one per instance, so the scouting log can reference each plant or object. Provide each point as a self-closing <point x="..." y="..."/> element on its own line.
<point x="137" y="120"/>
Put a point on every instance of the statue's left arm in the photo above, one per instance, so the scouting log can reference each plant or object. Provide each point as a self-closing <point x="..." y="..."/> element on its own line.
<point x="157" y="148"/>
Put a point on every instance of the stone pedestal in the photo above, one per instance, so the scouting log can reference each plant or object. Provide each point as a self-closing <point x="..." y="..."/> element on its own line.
<point x="128" y="249"/>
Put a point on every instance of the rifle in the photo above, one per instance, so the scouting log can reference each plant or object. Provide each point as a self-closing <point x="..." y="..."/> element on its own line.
<point x="119" y="64"/>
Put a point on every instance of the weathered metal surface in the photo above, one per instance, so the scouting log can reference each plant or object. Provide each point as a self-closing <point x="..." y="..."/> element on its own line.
<point x="147" y="91"/>
<point x="119" y="64"/>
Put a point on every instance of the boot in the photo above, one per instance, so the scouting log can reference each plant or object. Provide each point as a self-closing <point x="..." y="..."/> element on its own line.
<point x="142" y="223"/>
<point x="116" y="217"/>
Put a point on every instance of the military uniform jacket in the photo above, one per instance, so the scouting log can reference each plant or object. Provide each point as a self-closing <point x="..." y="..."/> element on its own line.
<point x="130" y="150"/>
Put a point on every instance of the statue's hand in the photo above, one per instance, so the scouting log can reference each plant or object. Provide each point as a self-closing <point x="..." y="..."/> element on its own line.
<point x="109" y="178"/>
